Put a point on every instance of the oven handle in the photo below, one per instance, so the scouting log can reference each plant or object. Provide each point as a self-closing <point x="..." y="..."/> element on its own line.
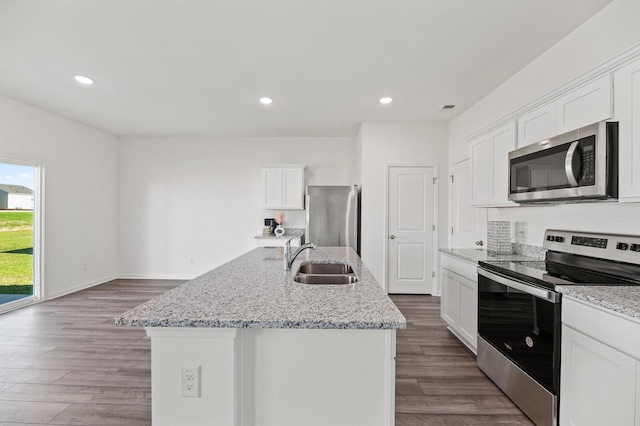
<point x="550" y="296"/>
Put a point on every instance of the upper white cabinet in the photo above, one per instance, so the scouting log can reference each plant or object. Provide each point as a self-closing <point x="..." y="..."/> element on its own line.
<point x="480" y="171"/>
<point x="490" y="167"/>
<point x="585" y="105"/>
<point x="538" y="125"/>
<point x="627" y="102"/>
<point x="283" y="187"/>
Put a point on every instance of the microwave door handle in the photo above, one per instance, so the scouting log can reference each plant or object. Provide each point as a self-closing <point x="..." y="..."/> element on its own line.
<point x="568" y="164"/>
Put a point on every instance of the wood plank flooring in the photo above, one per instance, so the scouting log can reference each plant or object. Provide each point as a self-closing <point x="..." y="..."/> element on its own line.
<point x="64" y="362"/>
<point x="437" y="381"/>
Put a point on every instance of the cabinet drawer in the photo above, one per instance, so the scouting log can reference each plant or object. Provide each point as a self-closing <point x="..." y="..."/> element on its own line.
<point x="614" y="330"/>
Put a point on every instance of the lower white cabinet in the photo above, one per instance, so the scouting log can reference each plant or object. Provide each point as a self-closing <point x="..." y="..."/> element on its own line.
<point x="600" y="367"/>
<point x="459" y="302"/>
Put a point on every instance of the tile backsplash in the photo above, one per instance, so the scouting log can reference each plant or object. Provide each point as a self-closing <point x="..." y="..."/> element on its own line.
<point x="499" y="237"/>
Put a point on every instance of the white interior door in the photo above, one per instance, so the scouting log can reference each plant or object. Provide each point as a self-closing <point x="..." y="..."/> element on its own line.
<point x="468" y="223"/>
<point x="411" y="206"/>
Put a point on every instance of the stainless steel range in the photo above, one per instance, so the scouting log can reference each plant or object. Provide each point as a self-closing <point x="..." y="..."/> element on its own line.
<point x="519" y="312"/>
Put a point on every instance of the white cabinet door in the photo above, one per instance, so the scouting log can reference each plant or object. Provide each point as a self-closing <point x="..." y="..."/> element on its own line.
<point x="272" y="188"/>
<point x="502" y="141"/>
<point x="283" y="188"/>
<point x="638" y="394"/>
<point x="538" y="125"/>
<point x="468" y="324"/>
<point x="459" y="301"/>
<point x="597" y="383"/>
<point x="480" y="171"/>
<point x="490" y="167"/>
<point x="293" y="188"/>
<point x="627" y="98"/>
<point x="450" y="308"/>
<point x="586" y="105"/>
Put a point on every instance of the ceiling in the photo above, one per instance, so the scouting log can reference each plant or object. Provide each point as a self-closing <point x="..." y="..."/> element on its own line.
<point x="198" y="67"/>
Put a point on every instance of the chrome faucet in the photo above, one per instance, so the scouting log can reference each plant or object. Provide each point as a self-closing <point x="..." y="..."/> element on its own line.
<point x="290" y="257"/>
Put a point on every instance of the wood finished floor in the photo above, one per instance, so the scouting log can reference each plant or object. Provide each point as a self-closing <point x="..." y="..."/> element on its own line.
<point x="64" y="362"/>
<point x="437" y="381"/>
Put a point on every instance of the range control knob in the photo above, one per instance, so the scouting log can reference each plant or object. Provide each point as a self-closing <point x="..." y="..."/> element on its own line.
<point x="551" y="238"/>
<point x="622" y="246"/>
<point x="635" y="247"/>
<point x="559" y="239"/>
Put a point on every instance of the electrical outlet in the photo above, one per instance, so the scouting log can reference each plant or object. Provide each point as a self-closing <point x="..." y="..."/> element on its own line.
<point x="190" y="381"/>
<point x="85" y="267"/>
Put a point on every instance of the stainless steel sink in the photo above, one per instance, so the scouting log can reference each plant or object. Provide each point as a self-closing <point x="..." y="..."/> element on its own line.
<point x="325" y="273"/>
<point x="325" y="268"/>
<point x="325" y="279"/>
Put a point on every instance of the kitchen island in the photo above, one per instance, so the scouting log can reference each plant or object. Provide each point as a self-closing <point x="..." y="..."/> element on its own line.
<point x="272" y="351"/>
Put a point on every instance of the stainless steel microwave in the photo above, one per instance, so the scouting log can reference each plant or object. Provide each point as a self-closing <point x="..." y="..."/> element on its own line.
<point x="581" y="165"/>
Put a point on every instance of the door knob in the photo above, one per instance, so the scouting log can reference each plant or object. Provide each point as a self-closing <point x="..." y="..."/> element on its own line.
<point x="480" y="243"/>
<point x="392" y="236"/>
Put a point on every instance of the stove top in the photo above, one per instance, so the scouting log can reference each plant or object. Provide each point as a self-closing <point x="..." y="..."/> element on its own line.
<point x="578" y="258"/>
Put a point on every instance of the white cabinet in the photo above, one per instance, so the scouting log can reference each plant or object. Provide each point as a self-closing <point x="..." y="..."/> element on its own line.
<point x="586" y="105"/>
<point x="538" y="125"/>
<point x="490" y="167"/>
<point x="283" y="187"/>
<point x="600" y="367"/>
<point x="627" y="102"/>
<point x="459" y="302"/>
<point x="480" y="171"/>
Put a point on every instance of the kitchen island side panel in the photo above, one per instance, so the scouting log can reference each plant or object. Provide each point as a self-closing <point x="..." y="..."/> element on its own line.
<point x="275" y="377"/>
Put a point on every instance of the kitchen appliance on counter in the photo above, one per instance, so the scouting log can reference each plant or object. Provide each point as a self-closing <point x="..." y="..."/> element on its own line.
<point x="519" y="310"/>
<point x="581" y="165"/>
<point x="332" y="216"/>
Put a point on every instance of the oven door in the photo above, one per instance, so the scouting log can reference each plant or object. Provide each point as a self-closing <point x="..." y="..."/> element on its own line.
<point x="522" y="322"/>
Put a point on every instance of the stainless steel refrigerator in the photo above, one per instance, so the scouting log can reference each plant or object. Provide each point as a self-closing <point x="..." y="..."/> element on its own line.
<point x="332" y="216"/>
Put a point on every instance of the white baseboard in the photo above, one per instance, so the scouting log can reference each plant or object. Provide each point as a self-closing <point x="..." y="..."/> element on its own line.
<point x="156" y="277"/>
<point x="79" y="287"/>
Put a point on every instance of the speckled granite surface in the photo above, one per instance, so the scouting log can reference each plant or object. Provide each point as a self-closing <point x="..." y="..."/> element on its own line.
<point x="477" y="255"/>
<point x="253" y="291"/>
<point x="288" y="233"/>
<point x="624" y="300"/>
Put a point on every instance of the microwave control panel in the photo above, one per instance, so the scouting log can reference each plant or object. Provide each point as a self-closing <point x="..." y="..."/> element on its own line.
<point x="588" y="161"/>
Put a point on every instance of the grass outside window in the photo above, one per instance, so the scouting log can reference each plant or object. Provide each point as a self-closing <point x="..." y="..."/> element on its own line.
<point x="16" y="252"/>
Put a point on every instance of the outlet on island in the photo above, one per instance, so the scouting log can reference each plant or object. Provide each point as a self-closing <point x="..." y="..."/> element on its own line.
<point x="190" y="381"/>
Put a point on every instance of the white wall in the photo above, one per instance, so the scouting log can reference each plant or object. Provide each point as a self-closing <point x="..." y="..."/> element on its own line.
<point x="396" y="143"/>
<point x="200" y="198"/>
<point x="80" y="192"/>
<point x="606" y="34"/>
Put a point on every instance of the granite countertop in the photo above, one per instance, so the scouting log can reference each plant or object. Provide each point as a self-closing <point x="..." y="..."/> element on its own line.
<point x="621" y="299"/>
<point x="477" y="255"/>
<point x="253" y="291"/>
<point x="288" y="233"/>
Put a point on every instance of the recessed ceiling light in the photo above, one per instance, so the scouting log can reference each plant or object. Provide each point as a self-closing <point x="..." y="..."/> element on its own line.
<point x="83" y="79"/>
<point x="266" y="101"/>
<point x="385" y="100"/>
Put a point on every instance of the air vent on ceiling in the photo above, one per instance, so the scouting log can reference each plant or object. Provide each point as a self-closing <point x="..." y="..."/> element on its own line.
<point x="447" y="107"/>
